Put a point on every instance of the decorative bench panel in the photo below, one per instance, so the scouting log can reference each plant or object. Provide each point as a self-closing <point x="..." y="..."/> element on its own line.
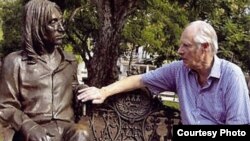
<point x="131" y="116"/>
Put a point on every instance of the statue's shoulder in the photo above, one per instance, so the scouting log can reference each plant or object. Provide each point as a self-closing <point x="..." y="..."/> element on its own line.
<point x="13" y="56"/>
<point x="11" y="62"/>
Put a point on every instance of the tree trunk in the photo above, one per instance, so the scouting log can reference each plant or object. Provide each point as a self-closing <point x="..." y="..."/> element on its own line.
<point x="102" y="69"/>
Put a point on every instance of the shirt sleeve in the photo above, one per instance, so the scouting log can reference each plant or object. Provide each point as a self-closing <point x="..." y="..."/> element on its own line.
<point x="10" y="107"/>
<point x="237" y="100"/>
<point x="163" y="78"/>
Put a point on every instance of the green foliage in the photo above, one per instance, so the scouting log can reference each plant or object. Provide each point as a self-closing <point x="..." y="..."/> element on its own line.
<point x="81" y="26"/>
<point x="68" y="48"/>
<point x="68" y="4"/>
<point x="156" y="25"/>
<point x="11" y="21"/>
<point x="232" y="25"/>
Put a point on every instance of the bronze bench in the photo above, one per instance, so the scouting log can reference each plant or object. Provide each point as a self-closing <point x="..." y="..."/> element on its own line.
<point x="132" y="116"/>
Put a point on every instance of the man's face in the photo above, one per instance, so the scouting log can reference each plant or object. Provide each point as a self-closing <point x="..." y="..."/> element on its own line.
<point x="54" y="30"/>
<point x="190" y="53"/>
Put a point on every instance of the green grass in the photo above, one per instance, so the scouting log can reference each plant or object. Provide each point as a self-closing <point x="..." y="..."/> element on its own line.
<point x="172" y="104"/>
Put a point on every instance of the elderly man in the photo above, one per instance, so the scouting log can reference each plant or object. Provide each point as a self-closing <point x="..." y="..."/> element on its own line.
<point x="210" y="90"/>
<point x="37" y="82"/>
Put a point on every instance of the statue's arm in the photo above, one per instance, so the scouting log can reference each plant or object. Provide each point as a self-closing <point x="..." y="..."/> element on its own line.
<point x="10" y="106"/>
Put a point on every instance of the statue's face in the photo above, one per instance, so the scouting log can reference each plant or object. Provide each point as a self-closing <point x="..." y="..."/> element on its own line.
<point x="54" y="30"/>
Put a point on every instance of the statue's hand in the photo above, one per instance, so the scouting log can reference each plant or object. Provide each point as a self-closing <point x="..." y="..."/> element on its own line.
<point x="38" y="133"/>
<point x="35" y="133"/>
<point x="91" y="93"/>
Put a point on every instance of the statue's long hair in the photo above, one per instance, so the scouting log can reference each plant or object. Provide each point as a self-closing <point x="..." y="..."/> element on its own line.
<point x="35" y="16"/>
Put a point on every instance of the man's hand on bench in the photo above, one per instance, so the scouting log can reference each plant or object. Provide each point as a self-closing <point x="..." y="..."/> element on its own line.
<point x="92" y="93"/>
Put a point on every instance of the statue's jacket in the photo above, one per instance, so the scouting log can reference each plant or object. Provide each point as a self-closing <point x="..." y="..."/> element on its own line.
<point x="31" y="91"/>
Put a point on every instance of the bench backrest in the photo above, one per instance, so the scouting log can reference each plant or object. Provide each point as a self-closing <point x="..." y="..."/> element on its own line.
<point x="132" y="116"/>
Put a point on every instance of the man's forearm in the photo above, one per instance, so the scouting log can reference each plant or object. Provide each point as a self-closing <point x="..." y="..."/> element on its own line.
<point x="124" y="85"/>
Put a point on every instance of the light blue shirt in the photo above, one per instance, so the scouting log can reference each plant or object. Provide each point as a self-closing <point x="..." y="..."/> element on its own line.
<point x="224" y="99"/>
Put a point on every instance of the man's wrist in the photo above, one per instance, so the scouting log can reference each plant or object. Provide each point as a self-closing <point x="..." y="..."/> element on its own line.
<point x="104" y="92"/>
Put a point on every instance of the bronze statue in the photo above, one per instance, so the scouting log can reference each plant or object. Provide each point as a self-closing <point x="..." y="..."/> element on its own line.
<point x="36" y="91"/>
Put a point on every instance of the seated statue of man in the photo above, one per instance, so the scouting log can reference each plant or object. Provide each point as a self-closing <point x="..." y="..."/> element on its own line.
<point x="36" y="90"/>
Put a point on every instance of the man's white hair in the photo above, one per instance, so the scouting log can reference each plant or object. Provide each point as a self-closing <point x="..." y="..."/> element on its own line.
<point x="205" y="33"/>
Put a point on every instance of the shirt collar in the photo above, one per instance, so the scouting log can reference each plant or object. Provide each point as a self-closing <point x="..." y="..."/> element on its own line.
<point x="216" y="68"/>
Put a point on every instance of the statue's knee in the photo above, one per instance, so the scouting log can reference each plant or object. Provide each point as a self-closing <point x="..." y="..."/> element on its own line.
<point x="79" y="132"/>
<point x="83" y="131"/>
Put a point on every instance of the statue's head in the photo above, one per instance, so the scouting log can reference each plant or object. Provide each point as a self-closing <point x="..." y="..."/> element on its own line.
<point x="43" y="27"/>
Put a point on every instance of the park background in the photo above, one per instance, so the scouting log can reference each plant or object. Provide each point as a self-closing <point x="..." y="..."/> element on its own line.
<point x="102" y="33"/>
